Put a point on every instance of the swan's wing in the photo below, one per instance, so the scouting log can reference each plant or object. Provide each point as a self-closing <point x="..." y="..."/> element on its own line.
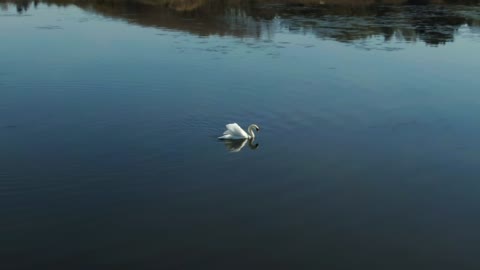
<point x="235" y="131"/>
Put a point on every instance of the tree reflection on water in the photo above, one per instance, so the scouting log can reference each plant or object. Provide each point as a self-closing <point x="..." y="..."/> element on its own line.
<point x="340" y="20"/>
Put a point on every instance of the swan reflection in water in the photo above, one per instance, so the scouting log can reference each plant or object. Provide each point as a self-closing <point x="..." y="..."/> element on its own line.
<point x="237" y="145"/>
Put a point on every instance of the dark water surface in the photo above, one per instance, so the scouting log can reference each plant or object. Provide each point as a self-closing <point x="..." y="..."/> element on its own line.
<point x="368" y="155"/>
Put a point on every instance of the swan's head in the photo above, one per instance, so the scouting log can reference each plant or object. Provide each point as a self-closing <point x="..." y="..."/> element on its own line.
<point x="253" y="126"/>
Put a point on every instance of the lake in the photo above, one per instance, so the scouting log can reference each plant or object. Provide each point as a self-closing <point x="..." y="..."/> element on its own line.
<point x="368" y="156"/>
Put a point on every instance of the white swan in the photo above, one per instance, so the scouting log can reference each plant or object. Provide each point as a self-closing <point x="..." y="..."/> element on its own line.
<point x="235" y="132"/>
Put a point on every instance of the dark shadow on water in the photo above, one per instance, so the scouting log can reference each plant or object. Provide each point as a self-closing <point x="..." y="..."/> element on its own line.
<point x="340" y="20"/>
<point x="49" y="27"/>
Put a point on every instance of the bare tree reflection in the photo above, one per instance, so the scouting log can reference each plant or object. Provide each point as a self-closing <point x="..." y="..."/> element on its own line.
<point x="22" y="5"/>
<point x="341" y="20"/>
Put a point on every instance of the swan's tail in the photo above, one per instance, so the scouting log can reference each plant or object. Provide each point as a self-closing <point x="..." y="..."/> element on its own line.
<point x="226" y="136"/>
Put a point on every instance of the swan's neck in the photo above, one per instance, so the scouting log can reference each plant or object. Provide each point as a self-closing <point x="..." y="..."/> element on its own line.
<point x="250" y="133"/>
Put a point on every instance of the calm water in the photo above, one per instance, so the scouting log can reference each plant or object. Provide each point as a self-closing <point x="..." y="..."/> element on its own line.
<point x="368" y="155"/>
